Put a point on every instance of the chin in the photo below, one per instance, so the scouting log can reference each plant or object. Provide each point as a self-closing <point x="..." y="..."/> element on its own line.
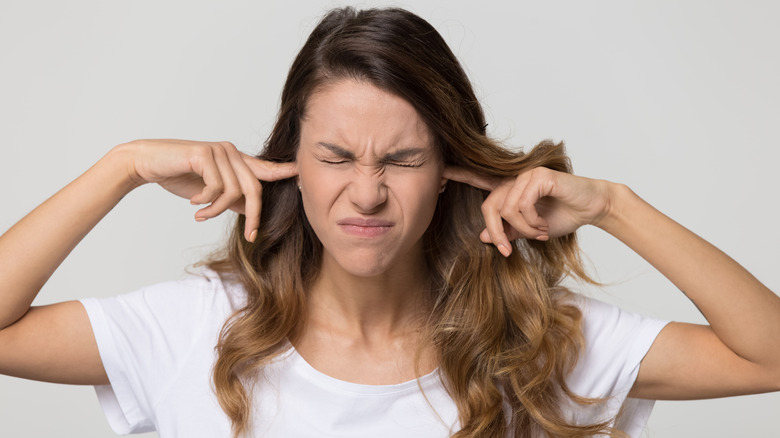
<point x="364" y="263"/>
<point x="366" y="268"/>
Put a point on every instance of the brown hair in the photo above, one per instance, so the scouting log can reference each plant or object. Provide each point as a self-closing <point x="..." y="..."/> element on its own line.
<point x="501" y="327"/>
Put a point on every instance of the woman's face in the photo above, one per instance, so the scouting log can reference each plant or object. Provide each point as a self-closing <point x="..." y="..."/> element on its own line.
<point x="370" y="177"/>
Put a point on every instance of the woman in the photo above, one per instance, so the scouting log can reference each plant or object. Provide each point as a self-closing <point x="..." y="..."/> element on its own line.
<point x="364" y="272"/>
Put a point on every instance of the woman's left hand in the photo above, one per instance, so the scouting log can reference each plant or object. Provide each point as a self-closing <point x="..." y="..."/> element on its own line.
<point x="738" y="354"/>
<point x="537" y="204"/>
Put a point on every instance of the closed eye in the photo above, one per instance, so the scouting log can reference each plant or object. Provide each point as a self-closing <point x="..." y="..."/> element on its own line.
<point x="417" y="161"/>
<point x="405" y="164"/>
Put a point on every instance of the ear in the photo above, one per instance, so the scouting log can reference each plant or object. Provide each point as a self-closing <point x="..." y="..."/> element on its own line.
<point x="443" y="184"/>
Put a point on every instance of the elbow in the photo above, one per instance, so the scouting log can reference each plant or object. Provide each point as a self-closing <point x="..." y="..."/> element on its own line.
<point x="775" y="385"/>
<point x="770" y="380"/>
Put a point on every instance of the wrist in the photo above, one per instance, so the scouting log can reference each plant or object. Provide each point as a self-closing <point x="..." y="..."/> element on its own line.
<point x="619" y="196"/>
<point x="120" y="160"/>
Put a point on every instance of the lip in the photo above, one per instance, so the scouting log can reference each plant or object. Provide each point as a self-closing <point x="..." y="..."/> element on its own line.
<point x="362" y="227"/>
<point x="361" y="222"/>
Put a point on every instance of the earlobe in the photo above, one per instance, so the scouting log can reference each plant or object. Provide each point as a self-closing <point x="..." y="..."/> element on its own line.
<point x="443" y="185"/>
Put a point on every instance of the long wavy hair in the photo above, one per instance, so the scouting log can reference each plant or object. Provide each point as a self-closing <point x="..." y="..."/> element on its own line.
<point x="502" y="328"/>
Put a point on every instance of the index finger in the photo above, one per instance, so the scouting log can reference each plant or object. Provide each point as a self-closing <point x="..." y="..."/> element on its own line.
<point x="466" y="176"/>
<point x="269" y="170"/>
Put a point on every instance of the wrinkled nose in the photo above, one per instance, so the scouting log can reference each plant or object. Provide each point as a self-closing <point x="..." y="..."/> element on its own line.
<point x="368" y="191"/>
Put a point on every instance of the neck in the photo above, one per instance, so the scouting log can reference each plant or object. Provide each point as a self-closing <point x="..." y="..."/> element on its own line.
<point x="370" y="308"/>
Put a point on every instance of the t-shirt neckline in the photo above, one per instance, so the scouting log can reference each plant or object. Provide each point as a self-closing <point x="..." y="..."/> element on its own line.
<point x="300" y="366"/>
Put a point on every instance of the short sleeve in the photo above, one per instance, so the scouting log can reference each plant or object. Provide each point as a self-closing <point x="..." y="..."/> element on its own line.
<point x="144" y="338"/>
<point x="616" y="341"/>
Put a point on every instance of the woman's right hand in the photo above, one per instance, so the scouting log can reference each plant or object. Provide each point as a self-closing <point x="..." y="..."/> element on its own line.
<point x="213" y="173"/>
<point x="55" y="343"/>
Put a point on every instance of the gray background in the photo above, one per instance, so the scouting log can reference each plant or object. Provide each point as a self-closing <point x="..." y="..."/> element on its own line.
<point x="679" y="100"/>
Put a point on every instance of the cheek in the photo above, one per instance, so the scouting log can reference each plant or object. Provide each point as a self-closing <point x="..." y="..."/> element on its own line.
<point x="313" y="192"/>
<point x="310" y="178"/>
<point x="321" y="189"/>
<point x="418" y="197"/>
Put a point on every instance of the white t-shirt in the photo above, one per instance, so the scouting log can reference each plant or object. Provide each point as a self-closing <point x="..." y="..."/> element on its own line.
<point x="157" y="346"/>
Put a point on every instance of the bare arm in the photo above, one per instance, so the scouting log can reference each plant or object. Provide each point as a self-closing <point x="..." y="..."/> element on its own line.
<point x="738" y="353"/>
<point x="55" y="343"/>
<point x="46" y="342"/>
<point x="32" y="249"/>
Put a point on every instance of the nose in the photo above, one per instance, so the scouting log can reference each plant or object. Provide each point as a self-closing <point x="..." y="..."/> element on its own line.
<point x="367" y="191"/>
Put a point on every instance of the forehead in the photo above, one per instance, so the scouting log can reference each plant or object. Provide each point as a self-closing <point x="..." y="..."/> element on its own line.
<point x="357" y="115"/>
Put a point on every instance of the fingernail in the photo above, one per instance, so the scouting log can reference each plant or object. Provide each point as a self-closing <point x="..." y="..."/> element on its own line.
<point x="253" y="235"/>
<point x="543" y="238"/>
<point x="504" y="250"/>
<point x="200" y="219"/>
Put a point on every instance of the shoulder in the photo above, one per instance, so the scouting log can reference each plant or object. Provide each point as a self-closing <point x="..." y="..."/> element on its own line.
<point x="604" y="324"/>
<point x="202" y="286"/>
<point x="616" y="341"/>
<point x="202" y="289"/>
<point x="157" y="343"/>
<point x="201" y="298"/>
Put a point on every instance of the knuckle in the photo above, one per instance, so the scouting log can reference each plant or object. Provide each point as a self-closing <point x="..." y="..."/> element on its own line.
<point x="541" y="172"/>
<point x="254" y="189"/>
<point x="230" y="149"/>
<point x="506" y="211"/>
<point x="218" y="152"/>
<point x="202" y="151"/>
<point x="232" y="192"/>
<point x="217" y="187"/>
<point x="524" y="203"/>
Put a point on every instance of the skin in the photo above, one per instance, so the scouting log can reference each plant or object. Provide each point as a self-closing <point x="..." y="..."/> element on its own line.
<point x="363" y="305"/>
<point x="382" y="170"/>
<point x="738" y="353"/>
<point x="55" y="343"/>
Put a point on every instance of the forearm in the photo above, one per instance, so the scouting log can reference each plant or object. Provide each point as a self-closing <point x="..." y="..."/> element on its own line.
<point x="31" y="250"/>
<point x="743" y="313"/>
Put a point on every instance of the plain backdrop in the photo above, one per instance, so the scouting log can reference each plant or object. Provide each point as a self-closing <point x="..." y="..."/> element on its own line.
<point x="679" y="100"/>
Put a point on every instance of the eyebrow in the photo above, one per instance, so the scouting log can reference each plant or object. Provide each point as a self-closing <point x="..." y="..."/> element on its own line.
<point x="338" y="150"/>
<point x="399" y="155"/>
